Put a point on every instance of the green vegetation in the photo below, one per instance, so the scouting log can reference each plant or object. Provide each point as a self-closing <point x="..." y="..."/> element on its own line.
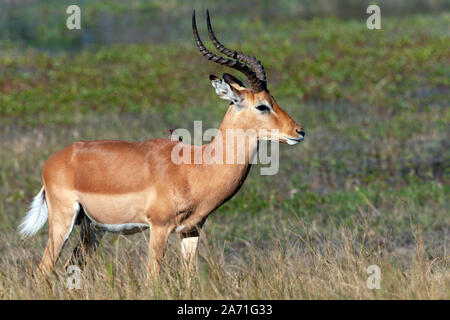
<point x="369" y="185"/>
<point x="397" y="69"/>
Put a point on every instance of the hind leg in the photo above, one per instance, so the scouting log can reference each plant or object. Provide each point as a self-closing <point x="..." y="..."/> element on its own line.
<point x="88" y="243"/>
<point x="158" y="240"/>
<point x="61" y="218"/>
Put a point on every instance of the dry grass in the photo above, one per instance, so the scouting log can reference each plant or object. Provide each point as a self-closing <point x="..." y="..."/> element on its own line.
<point x="299" y="264"/>
<point x="259" y="246"/>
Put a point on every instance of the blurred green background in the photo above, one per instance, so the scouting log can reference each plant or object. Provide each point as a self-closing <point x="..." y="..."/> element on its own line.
<point x="41" y="23"/>
<point x="374" y="103"/>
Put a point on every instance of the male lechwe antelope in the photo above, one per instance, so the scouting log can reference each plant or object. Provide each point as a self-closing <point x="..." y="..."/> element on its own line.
<point x="126" y="187"/>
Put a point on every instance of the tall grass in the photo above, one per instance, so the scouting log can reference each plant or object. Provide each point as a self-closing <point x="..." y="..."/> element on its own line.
<point x="298" y="264"/>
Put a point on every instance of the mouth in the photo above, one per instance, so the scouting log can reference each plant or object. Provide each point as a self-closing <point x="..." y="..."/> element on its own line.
<point x="292" y="141"/>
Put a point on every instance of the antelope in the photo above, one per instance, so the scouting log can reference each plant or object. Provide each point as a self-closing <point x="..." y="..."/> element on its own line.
<point x="127" y="187"/>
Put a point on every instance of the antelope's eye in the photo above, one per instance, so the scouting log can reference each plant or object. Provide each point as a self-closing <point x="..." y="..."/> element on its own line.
<point x="263" y="108"/>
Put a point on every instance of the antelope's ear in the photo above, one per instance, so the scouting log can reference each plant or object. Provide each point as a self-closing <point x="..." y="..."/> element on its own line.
<point x="224" y="90"/>
<point x="233" y="81"/>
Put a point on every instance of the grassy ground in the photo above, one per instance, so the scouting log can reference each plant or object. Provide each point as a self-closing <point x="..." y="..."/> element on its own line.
<point x="370" y="184"/>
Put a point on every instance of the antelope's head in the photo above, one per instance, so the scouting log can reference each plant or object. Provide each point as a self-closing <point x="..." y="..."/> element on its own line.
<point x="254" y="107"/>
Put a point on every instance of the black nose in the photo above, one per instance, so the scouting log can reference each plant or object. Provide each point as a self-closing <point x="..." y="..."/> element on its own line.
<point x="300" y="132"/>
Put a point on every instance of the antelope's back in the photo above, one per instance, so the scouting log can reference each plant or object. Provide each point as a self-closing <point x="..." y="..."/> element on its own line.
<point x="108" y="166"/>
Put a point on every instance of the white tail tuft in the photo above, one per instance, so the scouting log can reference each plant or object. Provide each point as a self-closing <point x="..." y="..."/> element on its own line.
<point x="36" y="216"/>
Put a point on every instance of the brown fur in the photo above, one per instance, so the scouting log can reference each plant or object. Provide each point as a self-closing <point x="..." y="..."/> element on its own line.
<point x="120" y="182"/>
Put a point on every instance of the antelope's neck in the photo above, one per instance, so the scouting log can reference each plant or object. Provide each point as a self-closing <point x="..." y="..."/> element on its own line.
<point x="233" y="149"/>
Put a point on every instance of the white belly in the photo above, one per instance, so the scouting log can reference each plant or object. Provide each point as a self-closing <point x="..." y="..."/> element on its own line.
<point x="123" y="228"/>
<point x="125" y="213"/>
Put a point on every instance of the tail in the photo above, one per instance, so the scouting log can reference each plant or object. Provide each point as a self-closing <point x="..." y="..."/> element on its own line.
<point x="36" y="216"/>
